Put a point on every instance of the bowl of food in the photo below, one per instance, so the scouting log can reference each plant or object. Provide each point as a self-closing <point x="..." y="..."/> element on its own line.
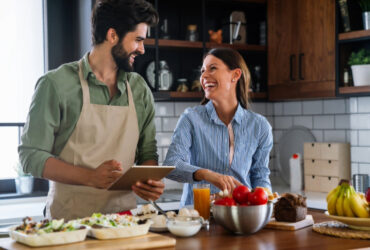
<point x="184" y="226"/>
<point x="243" y="219"/>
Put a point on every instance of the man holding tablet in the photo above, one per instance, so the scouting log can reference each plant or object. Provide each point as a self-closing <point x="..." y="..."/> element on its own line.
<point x="91" y="120"/>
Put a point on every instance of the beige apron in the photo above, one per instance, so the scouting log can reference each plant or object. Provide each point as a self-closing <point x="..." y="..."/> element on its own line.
<point x="102" y="133"/>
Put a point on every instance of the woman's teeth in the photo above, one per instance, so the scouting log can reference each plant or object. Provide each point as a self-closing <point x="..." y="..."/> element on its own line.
<point x="209" y="85"/>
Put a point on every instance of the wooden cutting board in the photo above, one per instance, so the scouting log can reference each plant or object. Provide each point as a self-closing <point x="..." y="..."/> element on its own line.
<point x="273" y="224"/>
<point x="150" y="240"/>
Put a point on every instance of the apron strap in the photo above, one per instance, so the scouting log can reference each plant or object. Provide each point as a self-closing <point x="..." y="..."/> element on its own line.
<point x="84" y="86"/>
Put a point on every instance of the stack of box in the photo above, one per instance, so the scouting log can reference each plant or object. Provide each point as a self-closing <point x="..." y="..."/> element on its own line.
<point x="325" y="164"/>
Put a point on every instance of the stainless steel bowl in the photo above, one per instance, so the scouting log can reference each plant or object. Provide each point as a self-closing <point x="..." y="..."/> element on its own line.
<point x="243" y="219"/>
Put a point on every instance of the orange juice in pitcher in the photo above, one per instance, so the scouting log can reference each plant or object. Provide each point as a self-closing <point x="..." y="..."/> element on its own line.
<point x="202" y="194"/>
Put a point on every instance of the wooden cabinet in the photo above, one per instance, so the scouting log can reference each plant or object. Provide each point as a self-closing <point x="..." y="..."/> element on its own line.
<point x="301" y="49"/>
<point x="325" y="164"/>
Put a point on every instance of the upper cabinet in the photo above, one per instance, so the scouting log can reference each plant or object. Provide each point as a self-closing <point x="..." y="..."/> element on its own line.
<point x="301" y="49"/>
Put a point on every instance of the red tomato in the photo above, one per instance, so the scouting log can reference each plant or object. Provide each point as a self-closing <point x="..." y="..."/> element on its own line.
<point x="368" y="195"/>
<point x="240" y="194"/>
<point x="258" y="197"/>
<point x="227" y="201"/>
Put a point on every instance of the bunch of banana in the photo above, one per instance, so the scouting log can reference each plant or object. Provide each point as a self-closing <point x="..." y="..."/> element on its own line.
<point x="345" y="201"/>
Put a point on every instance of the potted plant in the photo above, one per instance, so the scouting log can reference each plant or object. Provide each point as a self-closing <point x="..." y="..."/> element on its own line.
<point x="24" y="181"/>
<point x="365" y="6"/>
<point x="360" y="66"/>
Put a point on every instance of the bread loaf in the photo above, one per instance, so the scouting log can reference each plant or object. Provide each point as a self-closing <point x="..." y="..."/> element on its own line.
<point x="290" y="208"/>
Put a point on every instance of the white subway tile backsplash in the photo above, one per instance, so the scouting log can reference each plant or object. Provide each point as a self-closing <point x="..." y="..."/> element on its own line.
<point x="292" y="108"/>
<point x="354" y="169"/>
<point x="259" y="107"/>
<point x="181" y="106"/>
<point x="305" y="121"/>
<point x="319" y="135"/>
<point x="278" y="108"/>
<point x="277" y="135"/>
<point x="335" y="135"/>
<point x="160" y="155"/>
<point x="364" y="169"/>
<point x="323" y="122"/>
<point x="158" y="124"/>
<point x="360" y="154"/>
<point x="170" y="184"/>
<point x="353" y="105"/>
<point x="163" y="139"/>
<point x="164" y="109"/>
<point x="312" y="107"/>
<point x="354" y="137"/>
<point x="364" y="138"/>
<point x="169" y="124"/>
<point x="270" y="120"/>
<point x="342" y="122"/>
<point x="335" y="106"/>
<point x="360" y="121"/>
<point x="364" y="104"/>
<point x="283" y="122"/>
<point x="270" y="108"/>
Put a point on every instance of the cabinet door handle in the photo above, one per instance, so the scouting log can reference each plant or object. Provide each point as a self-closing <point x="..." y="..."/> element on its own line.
<point x="300" y="61"/>
<point x="292" y="57"/>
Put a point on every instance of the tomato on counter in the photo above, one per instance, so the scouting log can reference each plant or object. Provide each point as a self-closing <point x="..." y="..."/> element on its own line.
<point x="227" y="201"/>
<point x="258" y="196"/>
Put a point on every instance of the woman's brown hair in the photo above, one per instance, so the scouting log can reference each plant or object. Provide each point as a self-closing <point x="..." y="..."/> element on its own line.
<point x="234" y="60"/>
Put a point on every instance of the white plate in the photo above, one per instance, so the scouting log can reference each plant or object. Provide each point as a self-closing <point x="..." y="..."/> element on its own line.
<point x="352" y="222"/>
<point x="119" y="232"/>
<point x="291" y="142"/>
<point x="48" y="239"/>
<point x="158" y="229"/>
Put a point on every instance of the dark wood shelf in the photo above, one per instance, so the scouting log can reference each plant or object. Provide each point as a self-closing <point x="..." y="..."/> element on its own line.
<point x="198" y="45"/>
<point x="359" y="34"/>
<point x="354" y="90"/>
<point x="195" y="96"/>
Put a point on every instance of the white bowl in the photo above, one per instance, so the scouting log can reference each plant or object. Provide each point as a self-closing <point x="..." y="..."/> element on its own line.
<point x="184" y="226"/>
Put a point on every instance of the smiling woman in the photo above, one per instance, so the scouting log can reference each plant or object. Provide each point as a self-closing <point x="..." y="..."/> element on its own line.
<point x="22" y="47"/>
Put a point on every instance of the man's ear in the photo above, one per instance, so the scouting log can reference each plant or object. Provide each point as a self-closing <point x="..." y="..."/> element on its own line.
<point x="112" y="36"/>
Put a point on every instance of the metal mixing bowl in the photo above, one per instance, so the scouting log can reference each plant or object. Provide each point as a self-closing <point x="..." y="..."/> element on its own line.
<point x="243" y="219"/>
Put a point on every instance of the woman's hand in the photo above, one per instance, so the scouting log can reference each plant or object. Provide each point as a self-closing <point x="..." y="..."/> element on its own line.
<point x="219" y="180"/>
<point x="149" y="190"/>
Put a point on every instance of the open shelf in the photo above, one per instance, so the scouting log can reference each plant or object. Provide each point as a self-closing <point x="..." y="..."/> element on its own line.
<point x="195" y="96"/>
<point x="354" y="90"/>
<point x="199" y="45"/>
<point x="359" y="34"/>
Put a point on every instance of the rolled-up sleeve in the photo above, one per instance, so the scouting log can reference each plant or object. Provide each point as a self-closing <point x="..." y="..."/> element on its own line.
<point x="147" y="145"/>
<point x="42" y="124"/>
<point x="259" y="172"/>
<point x="179" y="153"/>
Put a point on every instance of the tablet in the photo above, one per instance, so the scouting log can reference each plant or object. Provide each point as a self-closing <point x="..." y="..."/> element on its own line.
<point x="140" y="173"/>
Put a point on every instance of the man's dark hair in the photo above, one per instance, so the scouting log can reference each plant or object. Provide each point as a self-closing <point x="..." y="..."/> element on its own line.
<point x="121" y="15"/>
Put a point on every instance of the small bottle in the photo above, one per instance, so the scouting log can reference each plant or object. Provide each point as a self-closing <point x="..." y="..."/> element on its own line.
<point x="192" y="34"/>
<point x="345" y="77"/>
<point x="257" y="78"/>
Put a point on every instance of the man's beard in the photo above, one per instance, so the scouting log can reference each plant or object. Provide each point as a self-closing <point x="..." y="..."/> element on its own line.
<point x="121" y="58"/>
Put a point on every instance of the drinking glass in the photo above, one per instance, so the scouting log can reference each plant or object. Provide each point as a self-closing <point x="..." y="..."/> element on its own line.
<point x="201" y="194"/>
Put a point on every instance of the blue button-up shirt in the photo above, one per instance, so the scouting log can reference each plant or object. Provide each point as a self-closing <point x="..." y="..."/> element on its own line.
<point x="201" y="140"/>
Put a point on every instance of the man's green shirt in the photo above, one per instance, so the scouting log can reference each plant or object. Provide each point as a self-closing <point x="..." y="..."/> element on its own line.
<point x="56" y="106"/>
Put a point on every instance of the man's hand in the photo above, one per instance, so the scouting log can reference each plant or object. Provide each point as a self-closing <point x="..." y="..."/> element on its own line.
<point x="149" y="190"/>
<point x="107" y="173"/>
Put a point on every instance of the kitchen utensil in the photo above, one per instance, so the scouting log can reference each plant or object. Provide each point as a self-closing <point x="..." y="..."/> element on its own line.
<point x="360" y="182"/>
<point x="158" y="208"/>
<point x="243" y="219"/>
<point x="291" y="226"/>
<point x="238" y="32"/>
<point x="291" y="142"/>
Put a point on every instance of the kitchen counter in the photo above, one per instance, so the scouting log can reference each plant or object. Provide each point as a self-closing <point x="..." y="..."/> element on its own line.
<point x="306" y="238"/>
<point x="217" y="238"/>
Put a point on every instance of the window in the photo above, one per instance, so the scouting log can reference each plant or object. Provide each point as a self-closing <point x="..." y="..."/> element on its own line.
<point x="22" y="63"/>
